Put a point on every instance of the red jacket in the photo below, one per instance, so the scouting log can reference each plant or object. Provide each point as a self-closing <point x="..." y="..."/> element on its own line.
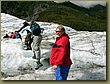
<point x="13" y="35"/>
<point x="60" y="54"/>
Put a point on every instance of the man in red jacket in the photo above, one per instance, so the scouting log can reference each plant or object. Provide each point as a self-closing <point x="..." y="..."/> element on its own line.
<point x="60" y="54"/>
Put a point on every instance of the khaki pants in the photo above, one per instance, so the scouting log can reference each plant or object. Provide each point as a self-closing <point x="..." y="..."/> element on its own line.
<point x="36" y="47"/>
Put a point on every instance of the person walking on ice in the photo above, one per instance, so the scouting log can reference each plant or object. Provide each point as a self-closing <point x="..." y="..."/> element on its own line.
<point x="35" y="30"/>
<point x="37" y="38"/>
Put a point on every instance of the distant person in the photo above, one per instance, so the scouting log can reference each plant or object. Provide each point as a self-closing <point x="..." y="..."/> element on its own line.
<point x="18" y="35"/>
<point x="13" y="35"/>
<point x="35" y="30"/>
<point x="60" y="54"/>
<point x="28" y="40"/>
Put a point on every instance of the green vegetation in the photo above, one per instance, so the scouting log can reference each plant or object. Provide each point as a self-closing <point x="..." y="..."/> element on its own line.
<point x="79" y="18"/>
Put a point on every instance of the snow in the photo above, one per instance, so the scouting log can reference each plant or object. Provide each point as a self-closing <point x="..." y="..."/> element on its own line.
<point x="88" y="53"/>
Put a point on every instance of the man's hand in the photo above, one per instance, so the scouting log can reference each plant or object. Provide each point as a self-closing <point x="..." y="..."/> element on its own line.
<point x="54" y="67"/>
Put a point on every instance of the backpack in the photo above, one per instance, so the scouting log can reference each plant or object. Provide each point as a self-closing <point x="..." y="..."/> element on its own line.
<point x="35" y="28"/>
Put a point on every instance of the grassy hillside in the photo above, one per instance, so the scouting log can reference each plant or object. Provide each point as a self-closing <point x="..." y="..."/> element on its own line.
<point x="73" y="18"/>
<point x="97" y="11"/>
<point x="50" y="11"/>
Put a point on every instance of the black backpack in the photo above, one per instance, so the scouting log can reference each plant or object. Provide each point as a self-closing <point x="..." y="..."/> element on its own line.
<point x="35" y="28"/>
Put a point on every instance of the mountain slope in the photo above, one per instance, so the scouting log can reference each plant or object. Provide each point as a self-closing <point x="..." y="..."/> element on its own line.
<point x="74" y="6"/>
<point x="97" y="11"/>
<point x="73" y="18"/>
<point x="65" y="13"/>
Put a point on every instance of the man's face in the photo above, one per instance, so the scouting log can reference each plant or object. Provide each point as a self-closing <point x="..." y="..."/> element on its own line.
<point x="59" y="32"/>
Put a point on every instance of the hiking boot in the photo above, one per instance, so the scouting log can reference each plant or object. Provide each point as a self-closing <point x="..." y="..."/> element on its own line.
<point x="38" y="66"/>
<point x="28" y="49"/>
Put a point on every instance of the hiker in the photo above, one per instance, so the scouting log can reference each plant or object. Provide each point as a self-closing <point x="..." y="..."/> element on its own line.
<point x="60" y="54"/>
<point x="18" y="36"/>
<point x="37" y="38"/>
<point x="13" y="35"/>
<point x="28" y="39"/>
<point x="35" y="30"/>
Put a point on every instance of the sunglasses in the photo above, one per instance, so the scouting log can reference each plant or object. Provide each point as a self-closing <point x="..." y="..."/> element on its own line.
<point x="58" y="31"/>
